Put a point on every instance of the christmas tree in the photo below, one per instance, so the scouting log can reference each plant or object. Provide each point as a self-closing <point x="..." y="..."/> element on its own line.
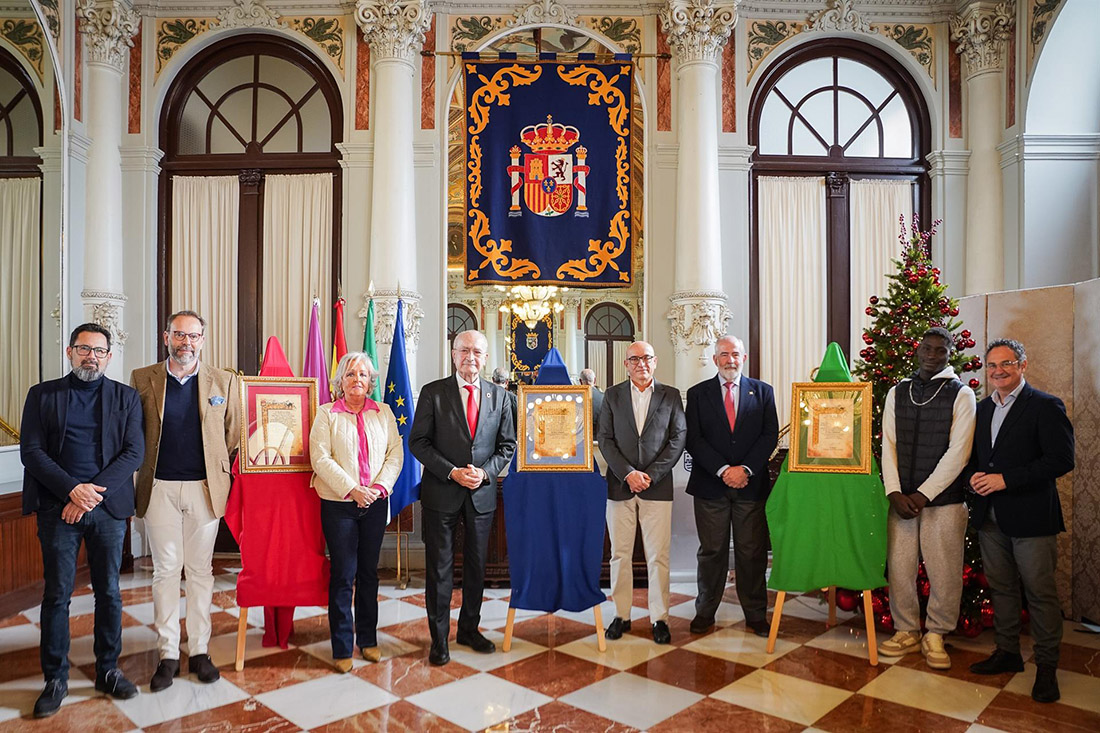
<point x="916" y="300"/>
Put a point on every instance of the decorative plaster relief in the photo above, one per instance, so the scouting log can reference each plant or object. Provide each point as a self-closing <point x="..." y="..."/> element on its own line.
<point x="53" y="20"/>
<point x="839" y="15"/>
<point x="981" y="33"/>
<point x="394" y="28"/>
<point x="1041" y="14"/>
<point x="108" y="27"/>
<point x="765" y="35"/>
<point x="325" y="33"/>
<point x="466" y="31"/>
<point x="385" y="313"/>
<point x="107" y="312"/>
<point x="698" y="29"/>
<point x="697" y="319"/>
<point x="26" y="35"/>
<point x="247" y="14"/>
<point x="174" y="33"/>
<point x="541" y="12"/>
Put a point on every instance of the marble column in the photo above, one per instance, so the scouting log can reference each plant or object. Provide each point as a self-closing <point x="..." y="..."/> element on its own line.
<point x="395" y="31"/>
<point x="697" y="31"/>
<point x="490" y="326"/>
<point x="571" y="343"/>
<point x="981" y="32"/>
<point x="108" y="26"/>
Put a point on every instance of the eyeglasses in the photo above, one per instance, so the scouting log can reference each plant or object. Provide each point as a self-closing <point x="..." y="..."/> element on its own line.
<point x="181" y="336"/>
<point x="995" y="365"/>
<point x="84" y="350"/>
<point x="636" y="360"/>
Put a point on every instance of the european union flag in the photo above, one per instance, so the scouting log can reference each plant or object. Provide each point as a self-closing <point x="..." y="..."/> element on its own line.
<point x="398" y="395"/>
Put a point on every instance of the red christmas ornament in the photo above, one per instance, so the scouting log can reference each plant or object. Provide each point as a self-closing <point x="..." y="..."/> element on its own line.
<point x="965" y="334"/>
<point x="970" y="626"/>
<point x="986" y="613"/>
<point x="944" y="309"/>
<point x="922" y="572"/>
<point x="924" y="588"/>
<point x="976" y="362"/>
<point x="968" y="574"/>
<point x="869" y="311"/>
<point x="974" y="383"/>
<point x="873" y="300"/>
<point x="954" y="312"/>
<point x="885" y="621"/>
<point x="913" y="279"/>
<point x="847" y="600"/>
<point x="879" y="604"/>
<point x="868" y="339"/>
<point x="982" y="580"/>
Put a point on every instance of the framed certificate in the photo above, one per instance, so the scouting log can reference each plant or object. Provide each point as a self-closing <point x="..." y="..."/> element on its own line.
<point x="830" y="427"/>
<point x="276" y="416"/>
<point x="555" y="428"/>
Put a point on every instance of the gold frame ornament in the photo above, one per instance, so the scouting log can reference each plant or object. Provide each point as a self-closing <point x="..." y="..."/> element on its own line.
<point x="830" y="427"/>
<point x="277" y="414"/>
<point x="554" y="428"/>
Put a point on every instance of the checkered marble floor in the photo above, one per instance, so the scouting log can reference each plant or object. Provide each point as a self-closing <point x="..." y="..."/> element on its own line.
<point x="552" y="679"/>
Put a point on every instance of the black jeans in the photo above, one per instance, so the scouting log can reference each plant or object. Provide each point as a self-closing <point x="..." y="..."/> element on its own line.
<point x="354" y="539"/>
<point x="103" y="536"/>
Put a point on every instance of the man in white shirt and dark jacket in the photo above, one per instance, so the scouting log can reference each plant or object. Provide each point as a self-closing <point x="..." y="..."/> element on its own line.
<point x="927" y="431"/>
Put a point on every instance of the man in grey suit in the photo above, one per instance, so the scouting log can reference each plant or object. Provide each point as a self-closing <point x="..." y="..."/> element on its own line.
<point x="642" y="434"/>
<point x="464" y="434"/>
<point x="588" y="377"/>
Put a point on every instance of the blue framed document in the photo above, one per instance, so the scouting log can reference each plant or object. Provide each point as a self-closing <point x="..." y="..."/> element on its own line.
<point x="555" y="428"/>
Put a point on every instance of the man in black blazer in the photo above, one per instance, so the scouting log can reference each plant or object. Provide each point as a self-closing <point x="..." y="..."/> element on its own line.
<point x="642" y="434"/>
<point x="464" y="434"/>
<point x="81" y="441"/>
<point x="732" y="429"/>
<point x="1023" y="442"/>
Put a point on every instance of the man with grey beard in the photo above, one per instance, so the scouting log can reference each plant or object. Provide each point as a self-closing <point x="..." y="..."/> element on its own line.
<point x="192" y="429"/>
<point x="81" y="441"/>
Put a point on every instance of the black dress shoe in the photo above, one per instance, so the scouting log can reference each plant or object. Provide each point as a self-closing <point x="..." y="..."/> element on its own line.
<point x="476" y="641"/>
<point x="201" y="666"/>
<point x="617" y="628"/>
<point x="661" y="634"/>
<point x="439" y="655"/>
<point x="760" y="628"/>
<point x="1046" y="684"/>
<point x="167" y="669"/>
<point x="700" y="625"/>
<point x="49" y="702"/>
<point x="115" y="684"/>
<point x="999" y="663"/>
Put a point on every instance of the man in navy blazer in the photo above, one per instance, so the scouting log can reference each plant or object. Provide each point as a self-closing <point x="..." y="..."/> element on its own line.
<point x="1023" y="442"/>
<point x="732" y="429"/>
<point x="81" y="441"/>
<point x="464" y="434"/>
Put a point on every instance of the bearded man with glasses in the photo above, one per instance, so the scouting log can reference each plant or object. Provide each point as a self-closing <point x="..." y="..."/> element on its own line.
<point x="1023" y="443"/>
<point x="81" y="441"/>
<point x="192" y="411"/>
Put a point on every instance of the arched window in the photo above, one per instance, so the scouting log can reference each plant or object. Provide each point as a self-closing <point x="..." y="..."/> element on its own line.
<point x="841" y="131"/>
<point x="459" y="319"/>
<point x="20" y="120"/>
<point x="253" y="107"/>
<point x="608" y="331"/>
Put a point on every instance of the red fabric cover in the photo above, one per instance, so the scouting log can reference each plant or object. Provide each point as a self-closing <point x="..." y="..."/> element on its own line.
<point x="283" y="552"/>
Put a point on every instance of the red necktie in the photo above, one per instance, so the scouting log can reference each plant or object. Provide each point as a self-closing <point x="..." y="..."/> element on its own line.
<point x="731" y="411"/>
<point x="471" y="409"/>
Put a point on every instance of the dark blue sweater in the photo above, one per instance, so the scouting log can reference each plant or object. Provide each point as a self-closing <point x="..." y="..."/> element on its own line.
<point x="82" y="449"/>
<point x="181" y="457"/>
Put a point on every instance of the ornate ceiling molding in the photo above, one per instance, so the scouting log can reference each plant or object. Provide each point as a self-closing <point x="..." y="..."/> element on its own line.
<point x="839" y="16"/>
<point x="247" y="14"/>
<point x="981" y="32"/>
<point x="541" y="12"/>
<point x="698" y="29"/>
<point x="394" y="28"/>
<point x="108" y="27"/>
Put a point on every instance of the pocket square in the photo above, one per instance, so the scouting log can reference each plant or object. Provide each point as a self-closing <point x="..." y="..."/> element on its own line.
<point x="217" y="400"/>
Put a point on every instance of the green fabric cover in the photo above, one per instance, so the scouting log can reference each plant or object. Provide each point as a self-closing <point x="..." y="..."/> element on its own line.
<point x="828" y="528"/>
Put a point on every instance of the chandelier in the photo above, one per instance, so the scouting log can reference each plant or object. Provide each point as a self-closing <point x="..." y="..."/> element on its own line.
<point x="531" y="303"/>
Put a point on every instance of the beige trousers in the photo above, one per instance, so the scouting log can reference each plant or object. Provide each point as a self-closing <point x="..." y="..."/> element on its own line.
<point x="655" y="517"/>
<point x="181" y="527"/>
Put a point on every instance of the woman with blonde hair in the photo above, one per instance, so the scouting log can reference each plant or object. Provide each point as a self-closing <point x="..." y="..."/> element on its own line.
<point x="357" y="454"/>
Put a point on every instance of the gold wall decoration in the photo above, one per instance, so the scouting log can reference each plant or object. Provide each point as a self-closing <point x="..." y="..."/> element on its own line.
<point x="918" y="40"/>
<point x="765" y="35"/>
<point x="326" y="33"/>
<point x="174" y="33"/>
<point x="625" y="32"/>
<point x="25" y="35"/>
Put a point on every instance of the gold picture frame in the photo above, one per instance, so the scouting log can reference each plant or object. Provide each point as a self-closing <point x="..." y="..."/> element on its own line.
<point x="830" y="427"/>
<point x="277" y="414"/>
<point x="554" y="428"/>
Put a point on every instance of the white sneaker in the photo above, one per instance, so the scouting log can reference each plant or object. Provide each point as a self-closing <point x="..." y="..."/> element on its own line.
<point x="935" y="656"/>
<point x="900" y="644"/>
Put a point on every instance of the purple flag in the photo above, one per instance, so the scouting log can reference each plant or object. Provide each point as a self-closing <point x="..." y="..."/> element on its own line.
<point x="315" y="356"/>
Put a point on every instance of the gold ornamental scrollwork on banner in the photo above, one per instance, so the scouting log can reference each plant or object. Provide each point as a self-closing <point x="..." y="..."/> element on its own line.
<point x="497" y="253"/>
<point x="603" y="90"/>
<point x="603" y="254"/>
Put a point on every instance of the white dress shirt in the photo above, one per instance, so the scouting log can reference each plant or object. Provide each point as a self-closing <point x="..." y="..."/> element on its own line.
<point x="185" y="377"/>
<point x="639" y="400"/>
<point x="1000" y="409"/>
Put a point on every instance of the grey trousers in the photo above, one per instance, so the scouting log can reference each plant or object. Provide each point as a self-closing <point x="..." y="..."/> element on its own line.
<point x="1007" y="561"/>
<point x="714" y="519"/>
<point x="937" y="535"/>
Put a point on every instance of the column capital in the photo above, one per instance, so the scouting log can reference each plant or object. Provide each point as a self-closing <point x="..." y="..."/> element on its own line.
<point x="394" y="28"/>
<point x="108" y="27"/>
<point x="981" y="32"/>
<point x="385" y="313"/>
<point x="492" y="304"/>
<point x="698" y="29"/>
<point x="105" y="309"/>
<point x="696" y="320"/>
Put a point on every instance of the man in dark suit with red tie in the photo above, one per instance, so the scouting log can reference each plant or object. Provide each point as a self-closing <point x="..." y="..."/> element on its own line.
<point x="732" y="429"/>
<point x="464" y="434"/>
<point x="1023" y="441"/>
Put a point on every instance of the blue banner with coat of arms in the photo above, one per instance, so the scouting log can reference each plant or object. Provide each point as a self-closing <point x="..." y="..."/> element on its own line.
<point x="548" y="172"/>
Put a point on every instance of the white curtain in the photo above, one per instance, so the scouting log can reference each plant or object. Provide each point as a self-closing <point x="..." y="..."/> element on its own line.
<point x="875" y="207"/>
<point x="792" y="284"/>
<point x="19" y="294"/>
<point x="205" y="212"/>
<point x="297" y="259"/>
<point x="597" y="361"/>
<point x="618" y="355"/>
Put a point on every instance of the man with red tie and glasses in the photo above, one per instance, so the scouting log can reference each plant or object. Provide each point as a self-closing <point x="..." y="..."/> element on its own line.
<point x="464" y="434"/>
<point x="732" y="429"/>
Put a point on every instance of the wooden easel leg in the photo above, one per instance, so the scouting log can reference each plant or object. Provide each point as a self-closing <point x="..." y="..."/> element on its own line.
<point x="601" y="642"/>
<point x="777" y="613"/>
<point x="832" y="606"/>
<point x="508" y="629"/>
<point x="242" y="628"/>
<point x="872" y="643"/>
